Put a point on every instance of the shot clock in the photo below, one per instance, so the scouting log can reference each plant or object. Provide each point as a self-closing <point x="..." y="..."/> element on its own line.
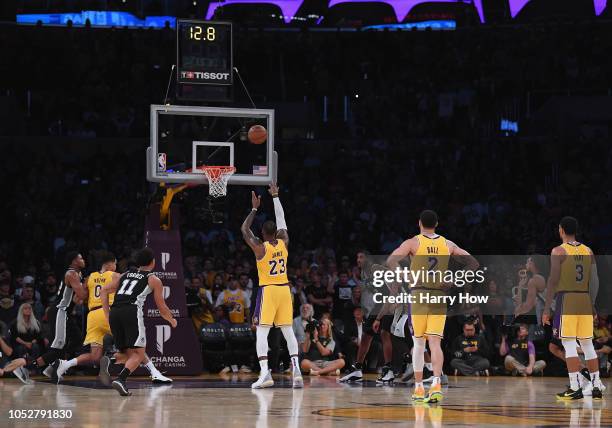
<point x="204" y="52"/>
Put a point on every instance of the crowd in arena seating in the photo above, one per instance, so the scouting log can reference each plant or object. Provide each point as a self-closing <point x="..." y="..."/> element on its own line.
<point x="493" y="195"/>
<point x="326" y="282"/>
<point x="99" y="82"/>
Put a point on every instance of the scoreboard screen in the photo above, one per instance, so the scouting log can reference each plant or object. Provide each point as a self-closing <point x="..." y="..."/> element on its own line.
<point x="204" y="52"/>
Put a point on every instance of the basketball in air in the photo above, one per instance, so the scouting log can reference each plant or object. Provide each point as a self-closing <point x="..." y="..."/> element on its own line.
<point x="257" y="134"/>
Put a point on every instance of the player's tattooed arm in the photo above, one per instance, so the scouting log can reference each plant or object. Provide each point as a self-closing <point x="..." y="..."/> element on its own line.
<point x="464" y="258"/>
<point x="406" y="249"/>
<point x="251" y="240"/>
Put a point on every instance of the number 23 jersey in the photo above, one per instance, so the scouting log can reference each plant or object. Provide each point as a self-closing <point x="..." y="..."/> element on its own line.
<point x="272" y="267"/>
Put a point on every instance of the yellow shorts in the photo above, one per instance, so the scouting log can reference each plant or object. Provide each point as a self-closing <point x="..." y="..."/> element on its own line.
<point x="573" y="316"/>
<point x="274" y="306"/>
<point x="427" y="325"/>
<point x="97" y="327"/>
<point x="576" y="326"/>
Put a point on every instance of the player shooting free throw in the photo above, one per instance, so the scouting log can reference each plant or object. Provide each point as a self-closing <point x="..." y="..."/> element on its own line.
<point x="274" y="306"/>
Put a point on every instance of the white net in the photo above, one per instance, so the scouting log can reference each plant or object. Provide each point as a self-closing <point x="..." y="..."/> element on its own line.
<point x="217" y="179"/>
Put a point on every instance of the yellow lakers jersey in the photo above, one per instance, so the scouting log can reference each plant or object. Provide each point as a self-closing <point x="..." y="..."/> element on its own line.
<point x="272" y="268"/>
<point x="236" y="313"/>
<point x="95" y="283"/>
<point x="430" y="262"/>
<point x="576" y="268"/>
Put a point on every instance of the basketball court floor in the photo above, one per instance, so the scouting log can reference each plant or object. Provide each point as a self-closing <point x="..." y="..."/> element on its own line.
<point x="211" y="400"/>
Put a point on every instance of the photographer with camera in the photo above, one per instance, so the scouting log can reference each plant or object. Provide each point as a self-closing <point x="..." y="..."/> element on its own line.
<point x="300" y="322"/>
<point x="470" y="352"/>
<point x="318" y="349"/>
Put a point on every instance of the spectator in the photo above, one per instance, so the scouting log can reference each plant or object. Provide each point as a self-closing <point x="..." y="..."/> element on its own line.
<point x="299" y="296"/>
<point x="27" y="280"/>
<point x="246" y="284"/>
<point x="28" y="296"/>
<point x="342" y="301"/>
<point x="199" y="303"/>
<point x="318" y="296"/>
<point x="352" y="338"/>
<point x="318" y="350"/>
<point x="220" y="317"/>
<point x="49" y="291"/>
<point x="520" y="354"/>
<point x="8" y="307"/>
<point x="234" y="301"/>
<point x="26" y="334"/>
<point x="217" y="286"/>
<point x="4" y="331"/>
<point x="470" y="352"/>
<point x="300" y="322"/>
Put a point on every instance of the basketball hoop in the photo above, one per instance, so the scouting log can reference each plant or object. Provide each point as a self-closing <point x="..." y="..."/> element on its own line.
<point x="218" y="177"/>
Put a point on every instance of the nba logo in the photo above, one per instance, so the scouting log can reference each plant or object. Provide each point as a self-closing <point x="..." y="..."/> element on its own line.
<point x="161" y="162"/>
<point x="162" y="336"/>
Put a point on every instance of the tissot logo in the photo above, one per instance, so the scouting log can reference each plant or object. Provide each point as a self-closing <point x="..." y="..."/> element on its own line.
<point x="204" y="75"/>
<point x="163" y="335"/>
<point x="165" y="258"/>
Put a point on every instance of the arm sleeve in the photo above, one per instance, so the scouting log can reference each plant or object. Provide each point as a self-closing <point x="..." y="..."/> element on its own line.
<point x="280" y="214"/>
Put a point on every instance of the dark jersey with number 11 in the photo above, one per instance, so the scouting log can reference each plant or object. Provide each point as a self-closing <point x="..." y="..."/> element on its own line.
<point x="133" y="288"/>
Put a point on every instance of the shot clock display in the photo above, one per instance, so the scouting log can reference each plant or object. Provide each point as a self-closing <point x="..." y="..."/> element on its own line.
<point x="204" y="52"/>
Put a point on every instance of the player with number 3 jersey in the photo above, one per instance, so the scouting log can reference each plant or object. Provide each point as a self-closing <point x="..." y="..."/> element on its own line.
<point x="574" y="283"/>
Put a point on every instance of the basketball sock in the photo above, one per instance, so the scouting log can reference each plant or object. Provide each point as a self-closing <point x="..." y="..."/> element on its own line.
<point x="418" y="385"/>
<point x="574" y="380"/>
<point x="264" y="366"/>
<point x="150" y="367"/>
<point x="595" y="379"/>
<point x="71" y="363"/>
<point x="388" y="364"/>
<point x="124" y="374"/>
<point x="358" y="366"/>
<point x="292" y="345"/>
<point x="435" y="381"/>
